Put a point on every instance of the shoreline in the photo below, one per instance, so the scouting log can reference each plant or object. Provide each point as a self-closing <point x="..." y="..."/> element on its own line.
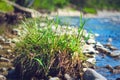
<point x="77" y="13"/>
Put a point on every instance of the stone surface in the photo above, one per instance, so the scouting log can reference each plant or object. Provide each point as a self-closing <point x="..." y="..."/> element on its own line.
<point x="91" y="41"/>
<point x="91" y="60"/>
<point x="2" y="77"/>
<point x="91" y="74"/>
<point x="115" y="53"/>
<point x="89" y="49"/>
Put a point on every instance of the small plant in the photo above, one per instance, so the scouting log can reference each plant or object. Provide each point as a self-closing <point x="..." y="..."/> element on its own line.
<point x="50" y="48"/>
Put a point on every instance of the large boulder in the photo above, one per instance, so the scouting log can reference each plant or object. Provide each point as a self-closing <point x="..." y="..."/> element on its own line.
<point x="91" y="74"/>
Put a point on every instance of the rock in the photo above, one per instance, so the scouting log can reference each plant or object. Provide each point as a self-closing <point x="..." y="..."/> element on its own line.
<point x="116" y="71"/>
<point x="2" y="77"/>
<point x="103" y="49"/>
<point x="2" y="39"/>
<point x="3" y="69"/>
<point x="98" y="44"/>
<point x="115" y="53"/>
<point x="91" y="74"/>
<point x="91" y="41"/>
<point x="2" y="59"/>
<point x="16" y="32"/>
<point x="89" y="49"/>
<point x="113" y="48"/>
<point x="68" y="77"/>
<point x="54" y="78"/>
<point x="91" y="60"/>
<point x="109" y="67"/>
<point x="117" y="67"/>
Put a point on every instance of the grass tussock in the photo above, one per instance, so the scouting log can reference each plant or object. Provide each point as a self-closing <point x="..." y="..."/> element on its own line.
<point x="45" y="52"/>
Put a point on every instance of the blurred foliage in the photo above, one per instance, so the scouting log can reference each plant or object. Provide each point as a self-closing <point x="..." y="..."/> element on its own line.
<point x="89" y="10"/>
<point x="51" y="5"/>
<point x="4" y="7"/>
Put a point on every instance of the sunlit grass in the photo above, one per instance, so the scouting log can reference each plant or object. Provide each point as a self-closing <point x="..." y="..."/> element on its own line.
<point x="46" y="45"/>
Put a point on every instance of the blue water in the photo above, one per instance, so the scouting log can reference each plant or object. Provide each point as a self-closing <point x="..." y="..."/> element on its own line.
<point x="106" y="28"/>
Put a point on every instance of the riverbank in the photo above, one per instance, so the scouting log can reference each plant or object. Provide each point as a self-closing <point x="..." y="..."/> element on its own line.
<point x="77" y="13"/>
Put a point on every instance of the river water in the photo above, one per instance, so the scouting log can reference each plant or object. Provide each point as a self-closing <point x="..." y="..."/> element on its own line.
<point x="108" y="27"/>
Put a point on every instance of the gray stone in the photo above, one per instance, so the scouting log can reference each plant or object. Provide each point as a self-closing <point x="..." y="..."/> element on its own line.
<point x="2" y="77"/>
<point x="115" y="53"/>
<point x="91" y="74"/>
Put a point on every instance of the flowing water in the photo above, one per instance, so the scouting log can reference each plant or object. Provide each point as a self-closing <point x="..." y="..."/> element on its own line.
<point x="106" y="28"/>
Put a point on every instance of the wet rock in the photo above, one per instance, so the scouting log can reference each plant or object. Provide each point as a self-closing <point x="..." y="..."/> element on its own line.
<point x="116" y="71"/>
<point x="68" y="77"/>
<point x="91" y="41"/>
<point x="91" y="60"/>
<point x="103" y="49"/>
<point x="115" y="53"/>
<point x="89" y="49"/>
<point x="54" y="78"/>
<point x="109" y="67"/>
<point x="2" y="59"/>
<point x="98" y="44"/>
<point x="2" y="77"/>
<point x="117" y="67"/>
<point x="91" y="74"/>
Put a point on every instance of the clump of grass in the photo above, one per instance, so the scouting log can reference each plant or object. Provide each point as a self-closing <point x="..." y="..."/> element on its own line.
<point x="53" y="53"/>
